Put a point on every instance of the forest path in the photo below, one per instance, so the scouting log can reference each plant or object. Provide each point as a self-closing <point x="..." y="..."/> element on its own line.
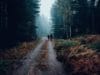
<point x="41" y="61"/>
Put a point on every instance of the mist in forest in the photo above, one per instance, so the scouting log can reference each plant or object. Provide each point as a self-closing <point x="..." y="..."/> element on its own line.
<point x="43" y="26"/>
<point x="43" y="20"/>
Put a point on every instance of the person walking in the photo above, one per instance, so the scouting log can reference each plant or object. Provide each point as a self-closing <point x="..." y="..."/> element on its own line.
<point x="50" y="37"/>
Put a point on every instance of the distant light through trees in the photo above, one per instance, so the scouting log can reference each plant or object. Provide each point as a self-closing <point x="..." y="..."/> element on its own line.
<point x="45" y="8"/>
<point x="43" y="21"/>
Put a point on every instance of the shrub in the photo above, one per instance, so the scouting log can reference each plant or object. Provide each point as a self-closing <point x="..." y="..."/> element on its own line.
<point x="95" y="46"/>
<point x="70" y="43"/>
<point x="5" y="67"/>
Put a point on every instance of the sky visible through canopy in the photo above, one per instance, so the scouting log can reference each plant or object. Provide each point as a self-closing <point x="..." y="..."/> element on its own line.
<point x="43" y="21"/>
<point x="45" y="8"/>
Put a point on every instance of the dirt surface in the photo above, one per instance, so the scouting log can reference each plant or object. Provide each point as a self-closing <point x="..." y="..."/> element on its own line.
<point x="41" y="61"/>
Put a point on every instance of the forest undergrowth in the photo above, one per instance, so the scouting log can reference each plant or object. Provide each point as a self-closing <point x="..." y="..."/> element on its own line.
<point x="80" y="55"/>
<point x="12" y="58"/>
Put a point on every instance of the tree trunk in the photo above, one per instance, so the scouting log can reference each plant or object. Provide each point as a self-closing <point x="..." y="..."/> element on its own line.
<point x="70" y="29"/>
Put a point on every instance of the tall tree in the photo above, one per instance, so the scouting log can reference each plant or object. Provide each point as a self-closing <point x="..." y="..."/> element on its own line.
<point x="57" y="19"/>
<point x="78" y="16"/>
<point x="20" y="26"/>
<point x="64" y="9"/>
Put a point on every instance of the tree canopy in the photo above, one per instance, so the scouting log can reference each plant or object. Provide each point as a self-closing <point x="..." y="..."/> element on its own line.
<point x="20" y="21"/>
<point x="75" y="17"/>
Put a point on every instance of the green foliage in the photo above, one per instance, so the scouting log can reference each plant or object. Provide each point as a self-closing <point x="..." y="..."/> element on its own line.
<point x="61" y="15"/>
<point x="70" y="43"/>
<point x="75" y="17"/>
<point x="95" y="46"/>
<point x="62" y="44"/>
<point x="20" y="23"/>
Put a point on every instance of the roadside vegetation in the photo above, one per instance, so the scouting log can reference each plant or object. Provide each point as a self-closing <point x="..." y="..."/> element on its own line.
<point x="80" y="55"/>
<point x="12" y="58"/>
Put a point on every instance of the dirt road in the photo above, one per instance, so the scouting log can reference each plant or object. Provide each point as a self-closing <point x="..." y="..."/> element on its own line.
<point x="41" y="61"/>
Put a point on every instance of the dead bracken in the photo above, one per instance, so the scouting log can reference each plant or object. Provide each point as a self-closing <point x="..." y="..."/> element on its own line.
<point x="80" y="59"/>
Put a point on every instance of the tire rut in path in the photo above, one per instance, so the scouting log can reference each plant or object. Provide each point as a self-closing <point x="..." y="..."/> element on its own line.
<point x="41" y="61"/>
<point x="29" y="59"/>
<point x="47" y="63"/>
<point x="41" y="64"/>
